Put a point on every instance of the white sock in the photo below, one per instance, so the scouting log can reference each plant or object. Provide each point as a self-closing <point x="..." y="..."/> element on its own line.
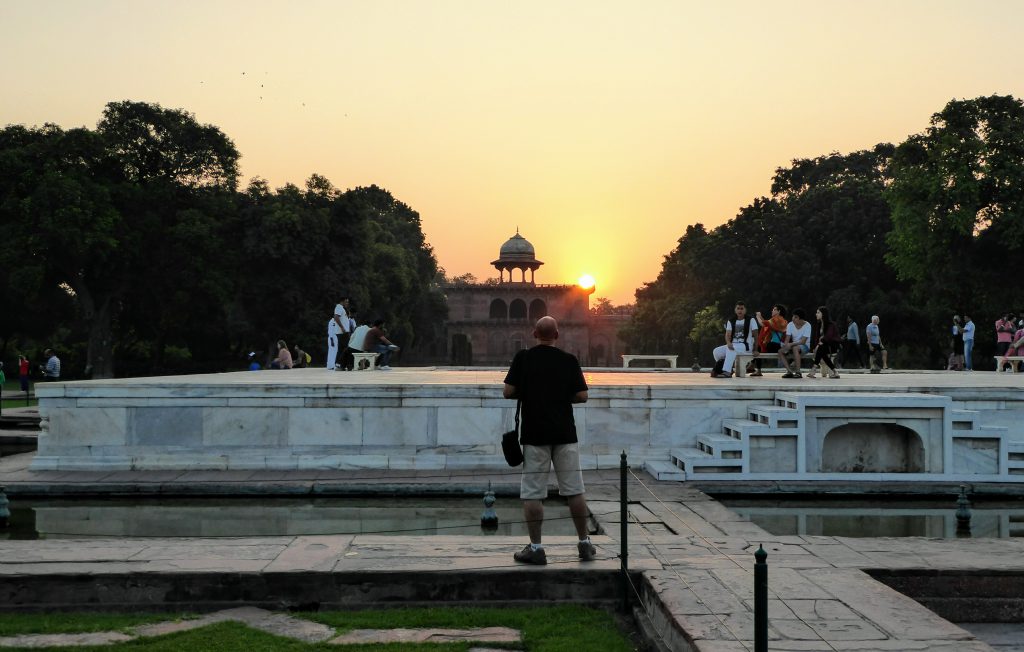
<point x="536" y="546"/>
<point x="587" y="540"/>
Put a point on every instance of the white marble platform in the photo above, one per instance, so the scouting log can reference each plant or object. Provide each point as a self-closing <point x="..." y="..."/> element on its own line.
<point x="423" y="418"/>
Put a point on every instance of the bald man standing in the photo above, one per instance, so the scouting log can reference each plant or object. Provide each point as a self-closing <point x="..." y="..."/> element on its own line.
<point x="548" y="381"/>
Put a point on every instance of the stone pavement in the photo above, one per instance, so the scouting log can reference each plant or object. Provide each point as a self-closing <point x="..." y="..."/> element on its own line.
<point x="277" y="624"/>
<point x="691" y="561"/>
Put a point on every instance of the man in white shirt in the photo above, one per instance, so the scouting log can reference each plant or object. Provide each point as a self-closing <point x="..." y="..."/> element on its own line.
<point x="968" y="343"/>
<point x="739" y="337"/>
<point x="338" y="326"/>
<point x="798" y="337"/>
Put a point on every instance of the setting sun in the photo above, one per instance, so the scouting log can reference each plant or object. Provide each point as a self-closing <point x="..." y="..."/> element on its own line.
<point x="586" y="281"/>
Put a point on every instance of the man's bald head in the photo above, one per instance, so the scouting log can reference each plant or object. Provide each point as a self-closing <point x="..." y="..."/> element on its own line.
<point x="546" y="329"/>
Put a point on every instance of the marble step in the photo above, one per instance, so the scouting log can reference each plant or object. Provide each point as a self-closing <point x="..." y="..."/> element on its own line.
<point x="720" y="446"/>
<point x="773" y="416"/>
<point x="737" y="428"/>
<point x="695" y="461"/>
<point x="964" y="419"/>
<point x="664" y="471"/>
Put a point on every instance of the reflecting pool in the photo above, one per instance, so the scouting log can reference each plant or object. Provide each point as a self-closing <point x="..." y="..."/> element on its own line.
<point x="878" y="516"/>
<point x="272" y="516"/>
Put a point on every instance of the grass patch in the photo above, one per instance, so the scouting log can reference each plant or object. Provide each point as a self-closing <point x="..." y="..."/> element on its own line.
<point x="561" y="628"/>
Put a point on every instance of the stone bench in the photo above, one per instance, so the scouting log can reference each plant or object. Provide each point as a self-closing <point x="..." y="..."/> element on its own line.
<point x="370" y="358"/>
<point x="671" y="359"/>
<point x="1014" y="361"/>
<point x="742" y="359"/>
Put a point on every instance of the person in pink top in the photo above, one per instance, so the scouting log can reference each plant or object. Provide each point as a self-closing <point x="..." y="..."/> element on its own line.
<point x="1016" y="346"/>
<point x="1005" y="329"/>
<point x="284" y="357"/>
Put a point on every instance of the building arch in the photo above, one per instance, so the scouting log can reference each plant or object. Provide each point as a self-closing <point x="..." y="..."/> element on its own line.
<point x="498" y="309"/>
<point x="872" y="448"/>
<point x="517" y="309"/>
<point x="538" y="309"/>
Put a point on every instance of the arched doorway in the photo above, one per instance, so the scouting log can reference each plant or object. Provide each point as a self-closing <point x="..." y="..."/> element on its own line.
<point x="872" y="448"/>
<point x="517" y="309"/>
<point x="538" y="309"/>
<point x="498" y="309"/>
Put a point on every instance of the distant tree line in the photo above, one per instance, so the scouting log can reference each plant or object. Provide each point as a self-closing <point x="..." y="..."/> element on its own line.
<point x="132" y="251"/>
<point x="915" y="233"/>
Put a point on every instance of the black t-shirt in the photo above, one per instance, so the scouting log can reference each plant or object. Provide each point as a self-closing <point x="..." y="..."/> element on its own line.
<point x="546" y="378"/>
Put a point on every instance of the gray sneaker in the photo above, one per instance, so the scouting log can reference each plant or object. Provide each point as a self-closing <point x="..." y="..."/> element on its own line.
<point x="530" y="556"/>
<point x="587" y="550"/>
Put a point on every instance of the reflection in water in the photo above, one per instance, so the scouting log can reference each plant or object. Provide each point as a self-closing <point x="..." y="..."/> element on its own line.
<point x="878" y="517"/>
<point x="268" y="516"/>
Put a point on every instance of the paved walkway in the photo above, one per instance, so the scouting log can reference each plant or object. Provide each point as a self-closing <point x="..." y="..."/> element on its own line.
<point x="693" y="558"/>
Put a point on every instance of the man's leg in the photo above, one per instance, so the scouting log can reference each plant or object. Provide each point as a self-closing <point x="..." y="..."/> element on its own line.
<point x="385" y="355"/>
<point x="332" y="351"/>
<point x="719" y="355"/>
<point x="580" y="514"/>
<point x="533" y="514"/>
<point x="968" y="357"/>
<point x="730" y="356"/>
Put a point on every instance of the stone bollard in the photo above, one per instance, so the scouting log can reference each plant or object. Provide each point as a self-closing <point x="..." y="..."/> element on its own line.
<point x="5" y="512"/>
<point x="963" y="514"/>
<point x="489" y="519"/>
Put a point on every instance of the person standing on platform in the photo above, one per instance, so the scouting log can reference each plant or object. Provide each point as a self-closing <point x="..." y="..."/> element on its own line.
<point x="337" y="330"/>
<point x="876" y="349"/>
<point x="51" y="371"/>
<point x="851" y="343"/>
<point x="968" y="343"/>
<point x="956" y="354"/>
<point x="739" y="337"/>
<point x="23" y="374"/>
<point x="828" y="343"/>
<point x="548" y="381"/>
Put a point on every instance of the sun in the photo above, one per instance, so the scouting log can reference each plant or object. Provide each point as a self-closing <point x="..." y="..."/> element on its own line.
<point x="586" y="281"/>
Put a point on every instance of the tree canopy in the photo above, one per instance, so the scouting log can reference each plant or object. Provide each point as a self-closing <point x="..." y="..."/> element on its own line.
<point x="135" y="244"/>
<point x="914" y="232"/>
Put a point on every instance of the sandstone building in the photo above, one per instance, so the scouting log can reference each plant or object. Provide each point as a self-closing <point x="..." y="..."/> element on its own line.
<point x="488" y="322"/>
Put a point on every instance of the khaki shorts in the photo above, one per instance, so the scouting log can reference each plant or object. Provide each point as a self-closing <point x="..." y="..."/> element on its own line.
<point x="537" y="466"/>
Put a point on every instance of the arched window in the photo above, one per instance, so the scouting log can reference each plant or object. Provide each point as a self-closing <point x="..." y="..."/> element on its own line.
<point x="538" y="309"/>
<point x="517" y="309"/>
<point x="498" y="309"/>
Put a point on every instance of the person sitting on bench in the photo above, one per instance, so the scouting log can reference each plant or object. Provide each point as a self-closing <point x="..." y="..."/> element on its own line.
<point x="798" y="337"/>
<point x="739" y="337"/>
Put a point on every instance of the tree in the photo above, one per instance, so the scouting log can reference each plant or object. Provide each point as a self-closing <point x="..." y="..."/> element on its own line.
<point x="958" y="205"/>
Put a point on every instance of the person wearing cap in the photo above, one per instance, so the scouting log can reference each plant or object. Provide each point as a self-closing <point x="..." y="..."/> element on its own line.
<point x="338" y="328"/>
<point x="253" y="365"/>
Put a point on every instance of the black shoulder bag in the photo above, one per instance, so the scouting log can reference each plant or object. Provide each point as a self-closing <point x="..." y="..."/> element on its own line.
<point x="510" y="442"/>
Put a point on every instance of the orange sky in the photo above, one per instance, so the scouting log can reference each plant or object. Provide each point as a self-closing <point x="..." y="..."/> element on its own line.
<point x="600" y="129"/>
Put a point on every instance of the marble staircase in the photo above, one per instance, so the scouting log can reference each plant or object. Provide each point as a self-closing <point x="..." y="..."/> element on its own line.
<point x="886" y="437"/>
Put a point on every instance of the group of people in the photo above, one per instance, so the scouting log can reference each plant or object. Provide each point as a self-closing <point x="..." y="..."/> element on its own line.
<point x="50" y="371"/>
<point x="344" y="335"/>
<point x="295" y="358"/>
<point x="1009" y="341"/>
<point x="343" y="331"/>
<point x="792" y="340"/>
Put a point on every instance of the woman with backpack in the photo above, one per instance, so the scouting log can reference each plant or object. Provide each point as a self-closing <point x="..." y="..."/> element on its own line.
<point x="828" y="343"/>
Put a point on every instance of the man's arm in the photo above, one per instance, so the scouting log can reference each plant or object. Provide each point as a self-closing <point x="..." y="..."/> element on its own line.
<point x="510" y="391"/>
<point x="578" y="397"/>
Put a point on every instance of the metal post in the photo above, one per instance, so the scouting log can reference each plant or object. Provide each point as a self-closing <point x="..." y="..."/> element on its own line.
<point x="624" y="530"/>
<point x="760" y="600"/>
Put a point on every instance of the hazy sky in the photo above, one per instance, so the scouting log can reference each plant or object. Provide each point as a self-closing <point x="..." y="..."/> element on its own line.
<point x="600" y="129"/>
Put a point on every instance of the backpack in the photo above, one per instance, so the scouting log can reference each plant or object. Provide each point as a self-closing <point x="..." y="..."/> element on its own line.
<point x="309" y="358"/>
